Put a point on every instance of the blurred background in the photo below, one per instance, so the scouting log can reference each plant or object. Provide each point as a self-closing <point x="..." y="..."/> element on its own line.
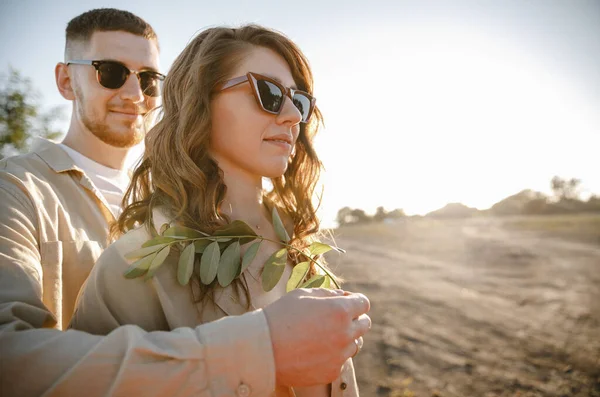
<point x="425" y="102"/>
<point x="461" y="148"/>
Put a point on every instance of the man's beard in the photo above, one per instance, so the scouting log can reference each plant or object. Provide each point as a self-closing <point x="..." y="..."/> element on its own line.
<point x="121" y="140"/>
<point x="102" y="130"/>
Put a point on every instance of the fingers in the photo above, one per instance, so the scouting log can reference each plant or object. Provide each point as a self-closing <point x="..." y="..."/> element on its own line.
<point x="359" y="342"/>
<point x="360" y="326"/>
<point x="357" y="304"/>
<point x="353" y="348"/>
<point x="319" y="292"/>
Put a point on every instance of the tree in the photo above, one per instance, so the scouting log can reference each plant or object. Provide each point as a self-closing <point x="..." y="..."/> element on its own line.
<point x="565" y="189"/>
<point x="343" y="216"/>
<point x="380" y="214"/>
<point x="557" y="184"/>
<point x="20" y="117"/>
<point x="348" y="216"/>
<point x="359" y="216"/>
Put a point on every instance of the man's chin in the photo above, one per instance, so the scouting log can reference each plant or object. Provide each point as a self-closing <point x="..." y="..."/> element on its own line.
<point x="124" y="139"/>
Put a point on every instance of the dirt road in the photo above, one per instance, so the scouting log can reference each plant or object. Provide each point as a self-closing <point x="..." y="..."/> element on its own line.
<point x="469" y="308"/>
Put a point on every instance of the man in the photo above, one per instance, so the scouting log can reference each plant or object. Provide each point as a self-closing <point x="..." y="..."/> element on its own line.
<point x="55" y="207"/>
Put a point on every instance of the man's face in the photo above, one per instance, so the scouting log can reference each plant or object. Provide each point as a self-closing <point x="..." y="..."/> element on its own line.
<point x="115" y="116"/>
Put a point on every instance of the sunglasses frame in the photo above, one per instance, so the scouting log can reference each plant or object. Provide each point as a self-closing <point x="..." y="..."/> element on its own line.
<point x="253" y="78"/>
<point x="97" y="63"/>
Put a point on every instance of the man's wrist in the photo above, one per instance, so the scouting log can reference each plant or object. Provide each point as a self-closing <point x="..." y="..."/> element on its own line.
<point x="239" y="353"/>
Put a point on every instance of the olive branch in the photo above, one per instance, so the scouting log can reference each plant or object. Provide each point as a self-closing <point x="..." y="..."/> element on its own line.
<point x="218" y="256"/>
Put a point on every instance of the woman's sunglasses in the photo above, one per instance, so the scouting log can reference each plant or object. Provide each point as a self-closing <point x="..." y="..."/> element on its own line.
<point x="113" y="74"/>
<point x="270" y="94"/>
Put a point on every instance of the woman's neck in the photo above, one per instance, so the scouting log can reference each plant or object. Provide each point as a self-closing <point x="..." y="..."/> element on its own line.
<point x="244" y="200"/>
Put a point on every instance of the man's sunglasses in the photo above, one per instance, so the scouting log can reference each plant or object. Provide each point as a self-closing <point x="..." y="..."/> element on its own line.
<point x="270" y="94"/>
<point x="113" y="74"/>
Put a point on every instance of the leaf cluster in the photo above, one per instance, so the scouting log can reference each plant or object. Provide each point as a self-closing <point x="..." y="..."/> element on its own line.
<point x="218" y="256"/>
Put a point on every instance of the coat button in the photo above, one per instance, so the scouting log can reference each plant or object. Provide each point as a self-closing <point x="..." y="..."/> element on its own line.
<point x="243" y="390"/>
<point x="343" y="385"/>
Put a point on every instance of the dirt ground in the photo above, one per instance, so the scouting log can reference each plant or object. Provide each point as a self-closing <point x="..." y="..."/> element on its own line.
<point x="474" y="308"/>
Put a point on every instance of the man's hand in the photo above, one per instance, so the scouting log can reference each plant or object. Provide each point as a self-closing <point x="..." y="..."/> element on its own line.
<point x="313" y="333"/>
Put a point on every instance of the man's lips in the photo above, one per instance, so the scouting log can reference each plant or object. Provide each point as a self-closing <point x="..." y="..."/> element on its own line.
<point x="127" y="114"/>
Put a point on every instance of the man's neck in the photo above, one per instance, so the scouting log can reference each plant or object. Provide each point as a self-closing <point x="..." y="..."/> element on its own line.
<point x="93" y="148"/>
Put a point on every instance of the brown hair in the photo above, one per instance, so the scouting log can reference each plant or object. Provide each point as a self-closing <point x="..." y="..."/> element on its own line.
<point x="81" y="28"/>
<point x="178" y="174"/>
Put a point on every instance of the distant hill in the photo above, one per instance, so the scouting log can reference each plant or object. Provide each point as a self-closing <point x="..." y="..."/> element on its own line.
<point x="526" y="202"/>
<point x="518" y="203"/>
<point x="529" y="202"/>
<point x="453" y="210"/>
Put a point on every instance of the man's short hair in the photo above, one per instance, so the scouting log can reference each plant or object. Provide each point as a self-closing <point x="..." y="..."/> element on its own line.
<point x="81" y="28"/>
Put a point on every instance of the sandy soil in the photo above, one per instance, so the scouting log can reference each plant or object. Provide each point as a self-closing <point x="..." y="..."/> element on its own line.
<point x="472" y="308"/>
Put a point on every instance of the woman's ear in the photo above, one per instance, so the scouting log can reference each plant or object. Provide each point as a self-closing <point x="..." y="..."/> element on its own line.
<point x="63" y="81"/>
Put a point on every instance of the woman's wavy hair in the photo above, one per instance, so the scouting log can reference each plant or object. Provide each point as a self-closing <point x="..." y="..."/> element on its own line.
<point x="177" y="172"/>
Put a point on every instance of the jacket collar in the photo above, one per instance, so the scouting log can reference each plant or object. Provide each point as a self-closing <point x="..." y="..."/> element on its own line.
<point x="60" y="162"/>
<point x="54" y="156"/>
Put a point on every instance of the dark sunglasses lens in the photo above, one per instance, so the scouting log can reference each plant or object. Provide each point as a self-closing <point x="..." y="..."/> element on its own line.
<point x="112" y="75"/>
<point x="151" y="84"/>
<point x="302" y="102"/>
<point x="270" y="95"/>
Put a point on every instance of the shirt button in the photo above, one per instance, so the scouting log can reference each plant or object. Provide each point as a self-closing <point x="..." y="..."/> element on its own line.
<point x="343" y="385"/>
<point x="243" y="390"/>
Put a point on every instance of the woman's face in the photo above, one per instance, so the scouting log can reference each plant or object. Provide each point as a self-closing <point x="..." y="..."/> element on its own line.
<point x="244" y="138"/>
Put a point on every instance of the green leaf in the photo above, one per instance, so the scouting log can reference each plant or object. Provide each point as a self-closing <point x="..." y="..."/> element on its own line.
<point x="300" y="271"/>
<point x="163" y="228"/>
<point x="157" y="261"/>
<point x="158" y="240"/>
<point x="225" y="243"/>
<point x="210" y="263"/>
<point x="182" y="232"/>
<point x="249" y="255"/>
<point x="273" y="269"/>
<point x="326" y="283"/>
<point x="139" y="267"/>
<point x="237" y="228"/>
<point x="315" y="282"/>
<point x="246" y="240"/>
<point x="229" y="264"/>
<point x="200" y="245"/>
<point x="318" y="248"/>
<point x="279" y="228"/>
<point x="186" y="264"/>
<point x="144" y="251"/>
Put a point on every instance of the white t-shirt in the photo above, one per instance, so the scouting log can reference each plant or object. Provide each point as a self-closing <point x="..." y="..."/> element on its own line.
<point x="111" y="182"/>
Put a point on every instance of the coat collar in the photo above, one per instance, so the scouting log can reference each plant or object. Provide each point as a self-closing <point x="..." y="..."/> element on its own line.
<point x="60" y="162"/>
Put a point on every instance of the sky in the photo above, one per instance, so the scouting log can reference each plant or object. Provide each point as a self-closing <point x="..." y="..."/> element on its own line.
<point x="425" y="102"/>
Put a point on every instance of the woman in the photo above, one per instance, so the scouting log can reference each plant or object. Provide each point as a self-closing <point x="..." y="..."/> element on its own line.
<point x="237" y="108"/>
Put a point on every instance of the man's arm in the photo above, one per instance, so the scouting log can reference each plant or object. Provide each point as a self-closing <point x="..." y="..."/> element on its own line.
<point x="129" y="361"/>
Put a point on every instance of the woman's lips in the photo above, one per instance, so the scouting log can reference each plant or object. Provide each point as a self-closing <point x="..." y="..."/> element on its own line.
<point x="280" y="143"/>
